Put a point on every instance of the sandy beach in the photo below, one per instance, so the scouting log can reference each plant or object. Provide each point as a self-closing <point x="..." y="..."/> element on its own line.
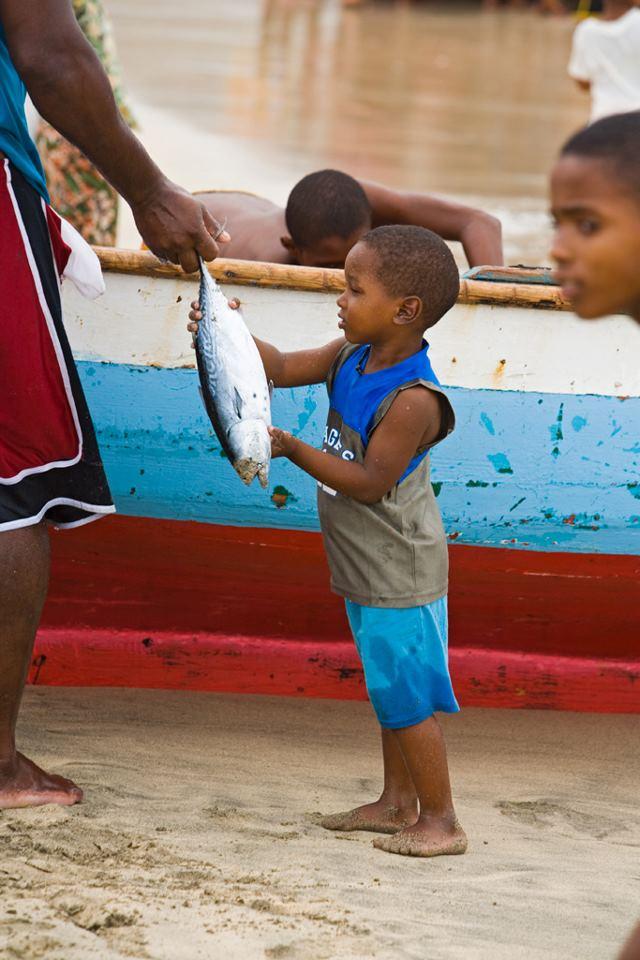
<point x="198" y="835"/>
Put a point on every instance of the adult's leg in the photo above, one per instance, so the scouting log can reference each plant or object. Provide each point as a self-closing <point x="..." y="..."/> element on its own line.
<point x="397" y="806"/>
<point x="436" y="831"/>
<point x="24" y="576"/>
<point x="631" y="950"/>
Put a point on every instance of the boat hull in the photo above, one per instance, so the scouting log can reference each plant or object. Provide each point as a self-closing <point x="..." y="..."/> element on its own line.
<point x="203" y="583"/>
<point x="156" y="603"/>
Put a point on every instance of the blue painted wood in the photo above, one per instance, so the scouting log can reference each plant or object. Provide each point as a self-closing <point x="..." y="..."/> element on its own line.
<point x="528" y="470"/>
<point x="541" y="276"/>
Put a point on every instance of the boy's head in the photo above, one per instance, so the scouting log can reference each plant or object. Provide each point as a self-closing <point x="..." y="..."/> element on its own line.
<point x="400" y="280"/>
<point x="327" y="213"/>
<point x="595" y="202"/>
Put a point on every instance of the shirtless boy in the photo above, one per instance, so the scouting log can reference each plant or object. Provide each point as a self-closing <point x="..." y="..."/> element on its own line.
<point x="328" y="211"/>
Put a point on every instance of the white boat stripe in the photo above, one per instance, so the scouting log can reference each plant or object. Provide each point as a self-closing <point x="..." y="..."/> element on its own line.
<point x="142" y="321"/>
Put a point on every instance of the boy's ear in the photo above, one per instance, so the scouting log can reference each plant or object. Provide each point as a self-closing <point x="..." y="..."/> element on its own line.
<point x="288" y="244"/>
<point x="408" y="311"/>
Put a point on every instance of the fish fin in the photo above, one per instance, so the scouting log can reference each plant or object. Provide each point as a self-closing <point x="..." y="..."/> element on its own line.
<point x="239" y="402"/>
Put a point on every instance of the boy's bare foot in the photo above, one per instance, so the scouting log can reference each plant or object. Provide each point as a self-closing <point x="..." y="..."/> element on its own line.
<point x="378" y="817"/>
<point x="428" y="837"/>
<point x="23" y="784"/>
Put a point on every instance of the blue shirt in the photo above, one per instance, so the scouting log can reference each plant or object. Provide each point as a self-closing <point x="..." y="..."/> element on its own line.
<point x="15" y="141"/>
<point x="356" y="396"/>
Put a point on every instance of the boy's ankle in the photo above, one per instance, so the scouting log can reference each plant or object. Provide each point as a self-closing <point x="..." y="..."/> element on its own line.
<point x="447" y="817"/>
<point x="401" y="802"/>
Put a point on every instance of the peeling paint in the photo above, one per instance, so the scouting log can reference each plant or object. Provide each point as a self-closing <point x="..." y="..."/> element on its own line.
<point x="310" y="407"/>
<point x="500" y="462"/>
<point x="437" y="487"/>
<point x="578" y="423"/>
<point x="141" y="426"/>
<point x="486" y="421"/>
<point x="498" y="373"/>
<point x="281" y="497"/>
<point x="556" y="433"/>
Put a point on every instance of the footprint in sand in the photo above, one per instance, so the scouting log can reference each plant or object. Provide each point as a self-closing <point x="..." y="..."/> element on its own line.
<point x="246" y="822"/>
<point x="38" y="816"/>
<point x="222" y="810"/>
<point x="301" y="950"/>
<point x="547" y="813"/>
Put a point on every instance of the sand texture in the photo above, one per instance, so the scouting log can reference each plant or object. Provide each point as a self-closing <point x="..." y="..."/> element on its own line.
<point x="198" y="837"/>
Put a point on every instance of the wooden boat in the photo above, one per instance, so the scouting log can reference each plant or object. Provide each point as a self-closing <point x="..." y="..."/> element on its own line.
<point x="205" y="584"/>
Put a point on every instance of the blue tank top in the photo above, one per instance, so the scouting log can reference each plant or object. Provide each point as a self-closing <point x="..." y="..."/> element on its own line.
<point x="356" y="396"/>
<point x="15" y="141"/>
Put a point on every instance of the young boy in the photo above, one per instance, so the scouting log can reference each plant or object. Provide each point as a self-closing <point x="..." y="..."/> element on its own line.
<point x="328" y="211"/>
<point x="595" y="201"/>
<point x="380" y="522"/>
<point x="605" y="58"/>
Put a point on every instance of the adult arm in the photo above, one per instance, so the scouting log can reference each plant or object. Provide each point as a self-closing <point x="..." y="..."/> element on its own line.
<point x="580" y="61"/>
<point x="70" y="89"/>
<point x="413" y="418"/>
<point x="479" y="233"/>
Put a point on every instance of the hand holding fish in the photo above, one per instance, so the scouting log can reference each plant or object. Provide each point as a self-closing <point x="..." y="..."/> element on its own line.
<point x="178" y="227"/>
<point x="282" y="442"/>
<point x="195" y="315"/>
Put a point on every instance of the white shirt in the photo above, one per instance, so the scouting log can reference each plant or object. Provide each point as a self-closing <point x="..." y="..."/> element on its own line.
<point x="607" y="54"/>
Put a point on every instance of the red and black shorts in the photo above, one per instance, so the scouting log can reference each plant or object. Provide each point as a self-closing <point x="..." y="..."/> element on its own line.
<point x="50" y="467"/>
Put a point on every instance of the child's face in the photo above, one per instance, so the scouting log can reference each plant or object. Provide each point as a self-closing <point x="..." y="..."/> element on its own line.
<point x="597" y="237"/>
<point x="329" y="252"/>
<point x="366" y="308"/>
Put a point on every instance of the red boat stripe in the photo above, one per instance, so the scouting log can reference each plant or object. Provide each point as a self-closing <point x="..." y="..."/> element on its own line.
<point x="139" y="602"/>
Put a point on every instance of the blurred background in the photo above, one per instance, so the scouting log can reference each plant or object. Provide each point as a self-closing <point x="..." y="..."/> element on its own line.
<point x="454" y="98"/>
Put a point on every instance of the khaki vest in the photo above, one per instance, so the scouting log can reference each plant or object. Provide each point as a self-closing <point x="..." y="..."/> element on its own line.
<point x="392" y="553"/>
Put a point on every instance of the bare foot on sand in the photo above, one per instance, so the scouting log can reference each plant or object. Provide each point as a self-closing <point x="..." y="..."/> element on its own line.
<point x="426" y="838"/>
<point x="378" y="817"/>
<point x="23" y="784"/>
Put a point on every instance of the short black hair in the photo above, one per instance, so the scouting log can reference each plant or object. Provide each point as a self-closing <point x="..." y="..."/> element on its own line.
<point x="327" y="203"/>
<point x="614" y="140"/>
<point x="415" y="262"/>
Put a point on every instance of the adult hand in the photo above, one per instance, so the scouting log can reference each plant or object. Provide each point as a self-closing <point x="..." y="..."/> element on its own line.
<point x="176" y="226"/>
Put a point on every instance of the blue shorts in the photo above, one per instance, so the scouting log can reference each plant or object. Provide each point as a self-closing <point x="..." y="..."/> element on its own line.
<point x="404" y="654"/>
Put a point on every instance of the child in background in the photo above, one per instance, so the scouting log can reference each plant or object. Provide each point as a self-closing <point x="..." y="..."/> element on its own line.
<point x="595" y="201"/>
<point x="605" y="58"/>
<point x="380" y="522"/>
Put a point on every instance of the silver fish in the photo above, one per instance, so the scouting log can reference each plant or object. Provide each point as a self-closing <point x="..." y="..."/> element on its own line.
<point x="233" y="383"/>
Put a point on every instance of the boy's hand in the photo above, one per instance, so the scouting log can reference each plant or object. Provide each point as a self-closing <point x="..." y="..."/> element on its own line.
<point x="282" y="442"/>
<point x="195" y="314"/>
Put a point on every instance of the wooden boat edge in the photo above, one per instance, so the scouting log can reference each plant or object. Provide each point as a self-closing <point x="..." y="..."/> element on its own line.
<point x="508" y="293"/>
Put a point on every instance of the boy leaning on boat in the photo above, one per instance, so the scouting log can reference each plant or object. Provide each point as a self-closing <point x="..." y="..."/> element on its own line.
<point x="380" y="522"/>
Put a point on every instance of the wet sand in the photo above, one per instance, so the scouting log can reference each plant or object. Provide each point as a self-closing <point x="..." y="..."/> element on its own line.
<point x="430" y="96"/>
<point x="198" y="835"/>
